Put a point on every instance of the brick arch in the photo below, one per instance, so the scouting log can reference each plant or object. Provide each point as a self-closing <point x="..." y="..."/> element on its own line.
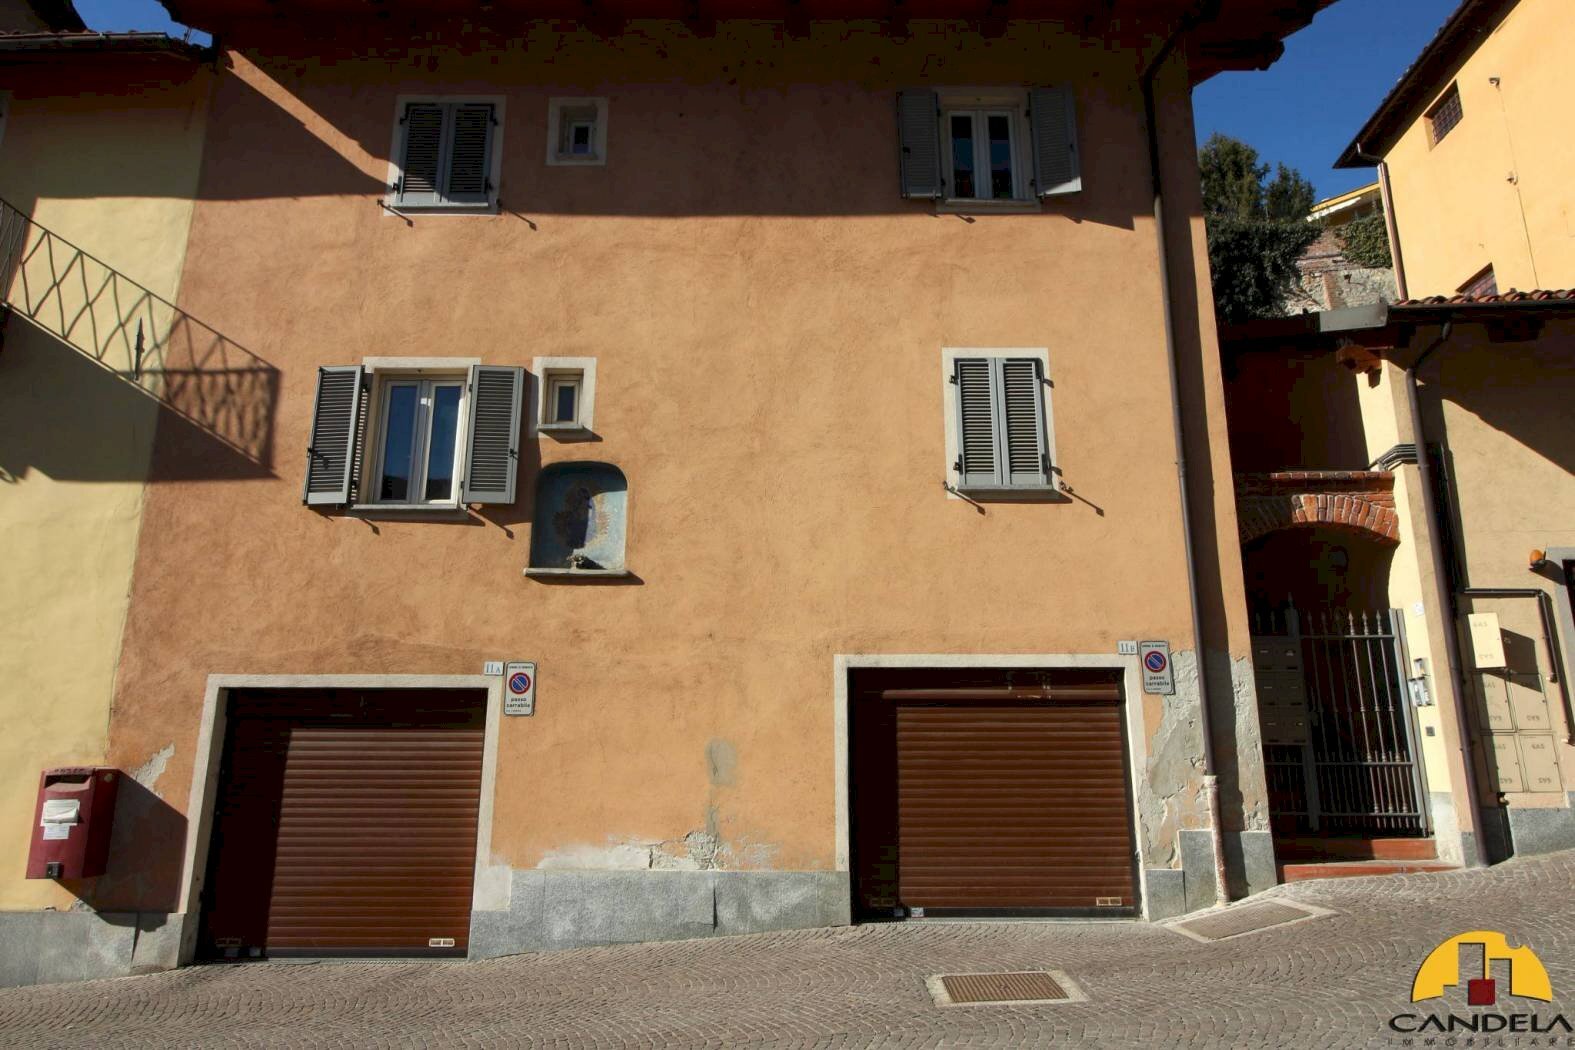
<point x="1361" y="502"/>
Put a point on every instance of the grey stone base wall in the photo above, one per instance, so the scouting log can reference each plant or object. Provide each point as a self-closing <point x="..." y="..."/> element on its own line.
<point x="1249" y="867"/>
<point x="47" y="947"/>
<point x="1542" y="830"/>
<point x="576" y="909"/>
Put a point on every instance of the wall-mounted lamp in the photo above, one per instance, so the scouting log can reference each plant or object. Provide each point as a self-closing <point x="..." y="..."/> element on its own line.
<point x="1539" y="558"/>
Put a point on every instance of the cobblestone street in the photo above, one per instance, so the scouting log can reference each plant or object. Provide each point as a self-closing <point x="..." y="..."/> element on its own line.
<point x="1331" y="981"/>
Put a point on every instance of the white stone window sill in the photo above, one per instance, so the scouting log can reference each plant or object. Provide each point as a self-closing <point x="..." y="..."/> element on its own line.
<point x="1037" y="493"/>
<point x="441" y="511"/>
<point x="967" y="205"/>
<point x="562" y="428"/>
<point x="560" y="573"/>
<point x="397" y="208"/>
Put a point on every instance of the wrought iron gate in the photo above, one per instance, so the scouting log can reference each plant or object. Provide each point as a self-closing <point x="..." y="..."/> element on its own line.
<point x="1339" y="739"/>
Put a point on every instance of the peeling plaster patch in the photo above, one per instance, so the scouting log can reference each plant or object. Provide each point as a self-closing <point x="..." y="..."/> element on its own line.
<point x="1250" y="776"/>
<point x="149" y="772"/>
<point x="721" y="763"/>
<point x="622" y="856"/>
<point x="1174" y="770"/>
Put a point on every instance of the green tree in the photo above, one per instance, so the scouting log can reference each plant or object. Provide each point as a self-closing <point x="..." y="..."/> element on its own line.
<point x="1257" y="228"/>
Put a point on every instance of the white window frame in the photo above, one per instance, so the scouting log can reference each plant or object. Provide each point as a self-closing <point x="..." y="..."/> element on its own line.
<point x="383" y="374"/>
<point x="981" y="103"/>
<point x="954" y="490"/>
<point x="557" y="109"/>
<point x="396" y="153"/>
<point x="547" y="370"/>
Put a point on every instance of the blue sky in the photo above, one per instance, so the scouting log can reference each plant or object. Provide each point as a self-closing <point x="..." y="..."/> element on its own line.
<point x="1308" y="105"/>
<point x="1302" y="111"/>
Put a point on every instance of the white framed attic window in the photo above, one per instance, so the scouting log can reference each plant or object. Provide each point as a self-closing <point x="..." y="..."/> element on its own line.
<point x="414" y="434"/>
<point x="446" y="154"/>
<point x="577" y="131"/>
<point x="565" y="395"/>
<point x="1000" y="430"/>
<point x="1002" y="147"/>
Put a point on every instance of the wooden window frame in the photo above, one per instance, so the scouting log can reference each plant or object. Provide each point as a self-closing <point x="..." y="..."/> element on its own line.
<point x="383" y="384"/>
<point x="394" y="202"/>
<point x="981" y="103"/>
<point x="981" y="153"/>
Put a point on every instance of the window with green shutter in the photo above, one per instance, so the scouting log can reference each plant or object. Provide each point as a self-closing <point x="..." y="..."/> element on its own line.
<point x="1002" y="436"/>
<point x="446" y="154"/>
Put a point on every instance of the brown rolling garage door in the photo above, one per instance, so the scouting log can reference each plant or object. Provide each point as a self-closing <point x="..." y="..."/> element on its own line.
<point x="346" y="824"/>
<point x="1005" y="801"/>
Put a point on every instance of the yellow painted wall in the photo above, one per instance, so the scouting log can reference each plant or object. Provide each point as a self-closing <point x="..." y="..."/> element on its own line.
<point x="114" y="170"/>
<point x="1456" y="207"/>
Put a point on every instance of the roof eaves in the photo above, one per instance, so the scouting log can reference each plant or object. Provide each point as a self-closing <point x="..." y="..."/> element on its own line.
<point x="1418" y="85"/>
<point x="153" y="44"/>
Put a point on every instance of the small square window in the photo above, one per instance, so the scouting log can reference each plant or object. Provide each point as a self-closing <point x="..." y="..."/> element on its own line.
<point x="563" y="400"/>
<point x="565" y="396"/>
<point x="577" y="131"/>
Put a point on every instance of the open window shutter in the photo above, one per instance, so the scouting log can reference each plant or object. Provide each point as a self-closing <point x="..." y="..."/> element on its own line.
<point x="423" y="150"/>
<point x="335" y="419"/>
<point x="919" y="139"/>
<point x="1053" y="115"/>
<point x="978" y="442"/>
<point x="470" y="155"/>
<point x="1023" y="435"/>
<point x="495" y="398"/>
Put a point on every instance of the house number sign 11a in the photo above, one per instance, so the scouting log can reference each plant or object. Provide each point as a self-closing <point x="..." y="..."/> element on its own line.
<point x="519" y="682"/>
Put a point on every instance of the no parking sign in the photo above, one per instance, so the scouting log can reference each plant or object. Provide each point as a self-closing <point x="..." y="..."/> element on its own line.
<point x="1157" y="674"/>
<point x="519" y="680"/>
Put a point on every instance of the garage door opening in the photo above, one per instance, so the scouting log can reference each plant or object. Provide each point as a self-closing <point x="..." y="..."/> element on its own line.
<point x="345" y="824"/>
<point x="989" y="792"/>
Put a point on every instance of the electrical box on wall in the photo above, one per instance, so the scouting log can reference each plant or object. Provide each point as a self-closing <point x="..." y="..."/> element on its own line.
<point x="71" y="823"/>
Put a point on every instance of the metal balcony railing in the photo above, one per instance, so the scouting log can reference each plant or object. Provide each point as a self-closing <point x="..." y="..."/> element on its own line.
<point x="188" y="367"/>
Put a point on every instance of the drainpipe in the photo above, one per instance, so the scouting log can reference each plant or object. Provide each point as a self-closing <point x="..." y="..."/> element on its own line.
<point x="1443" y="592"/>
<point x="1200" y="13"/>
<point x="1391" y="228"/>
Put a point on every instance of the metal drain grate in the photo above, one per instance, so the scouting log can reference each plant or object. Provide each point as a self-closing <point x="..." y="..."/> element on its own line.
<point x="1244" y="919"/>
<point x="992" y="989"/>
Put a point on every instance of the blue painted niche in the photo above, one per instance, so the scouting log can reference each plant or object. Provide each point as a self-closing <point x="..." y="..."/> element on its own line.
<point x="581" y="520"/>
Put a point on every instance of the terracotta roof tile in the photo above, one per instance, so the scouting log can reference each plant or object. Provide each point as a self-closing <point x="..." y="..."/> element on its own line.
<point x="1511" y="296"/>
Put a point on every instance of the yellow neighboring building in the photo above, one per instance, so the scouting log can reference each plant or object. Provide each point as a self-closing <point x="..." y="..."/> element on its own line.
<point x="100" y="139"/>
<point x="1477" y="173"/>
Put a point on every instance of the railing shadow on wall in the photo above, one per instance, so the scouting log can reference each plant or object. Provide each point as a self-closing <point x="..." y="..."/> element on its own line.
<point x="213" y="385"/>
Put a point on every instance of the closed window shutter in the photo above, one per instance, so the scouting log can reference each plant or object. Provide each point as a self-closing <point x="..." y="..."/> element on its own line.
<point x="335" y="422"/>
<point x="493" y="462"/>
<point x="470" y="155"/>
<point x="978" y="443"/>
<point x="420" y="164"/>
<point x="1023" y="435"/>
<point x="1053" y="115"/>
<point x="918" y="136"/>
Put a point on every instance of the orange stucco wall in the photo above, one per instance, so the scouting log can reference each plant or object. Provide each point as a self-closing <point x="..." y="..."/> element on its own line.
<point x="767" y="317"/>
<point x="1495" y="190"/>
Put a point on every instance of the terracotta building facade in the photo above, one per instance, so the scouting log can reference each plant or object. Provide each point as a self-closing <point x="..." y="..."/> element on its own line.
<point x="707" y="486"/>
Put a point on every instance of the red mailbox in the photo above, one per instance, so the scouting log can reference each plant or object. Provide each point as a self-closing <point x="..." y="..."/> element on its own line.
<point x="76" y="806"/>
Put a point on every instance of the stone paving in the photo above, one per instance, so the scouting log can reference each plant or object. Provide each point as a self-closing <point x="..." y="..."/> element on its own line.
<point x="1333" y="981"/>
